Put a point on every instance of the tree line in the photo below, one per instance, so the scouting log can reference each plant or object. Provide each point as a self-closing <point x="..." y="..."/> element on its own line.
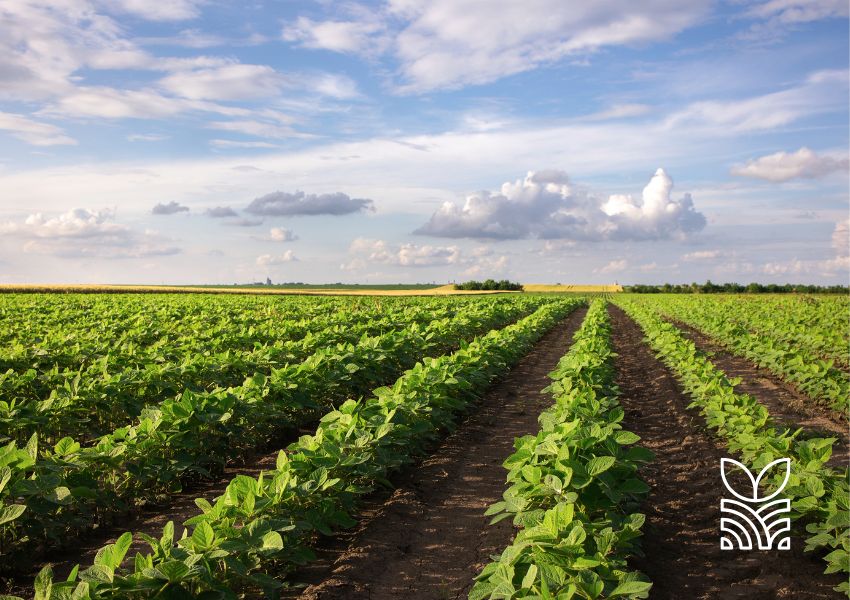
<point x="735" y="288"/>
<point x="490" y="284"/>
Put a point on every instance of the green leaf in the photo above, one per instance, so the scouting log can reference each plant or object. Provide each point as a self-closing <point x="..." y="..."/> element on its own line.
<point x="629" y="588"/>
<point x="43" y="584"/>
<point x="272" y="540"/>
<point x="626" y="437"/>
<point x="203" y="536"/>
<point x="599" y="464"/>
<point x="10" y="513"/>
<point x="530" y="577"/>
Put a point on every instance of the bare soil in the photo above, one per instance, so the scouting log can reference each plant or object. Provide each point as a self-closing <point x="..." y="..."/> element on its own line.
<point x="681" y="541"/>
<point x="430" y="538"/>
<point x="786" y="405"/>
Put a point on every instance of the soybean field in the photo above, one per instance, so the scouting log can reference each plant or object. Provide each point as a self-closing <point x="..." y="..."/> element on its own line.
<point x="508" y="445"/>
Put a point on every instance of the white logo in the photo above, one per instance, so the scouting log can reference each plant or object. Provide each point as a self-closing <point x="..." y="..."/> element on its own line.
<point x="753" y="517"/>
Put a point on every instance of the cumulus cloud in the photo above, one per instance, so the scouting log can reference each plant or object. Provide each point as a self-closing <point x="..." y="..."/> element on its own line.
<point x="169" y="208"/>
<point x="279" y="234"/>
<point x="276" y="259"/>
<point x="614" y="266"/>
<point x="481" y="261"/>
<point x="221" y="212"/>
<point x="32" y="132"/>
<point x="82" y="232"/>
<point x="299" y="203"/>
<point x="368" y="251"/>
<point x="782" y="166"/>
<point x="545" y="205"/>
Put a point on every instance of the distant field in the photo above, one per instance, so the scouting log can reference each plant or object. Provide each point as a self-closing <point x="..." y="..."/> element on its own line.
<point x="583" y="289"/>
<point x="333" y="290"/>
<point x="289" y="289"/>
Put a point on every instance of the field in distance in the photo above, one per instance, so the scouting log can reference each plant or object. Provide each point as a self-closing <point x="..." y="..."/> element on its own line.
<point x="331" y="289"/>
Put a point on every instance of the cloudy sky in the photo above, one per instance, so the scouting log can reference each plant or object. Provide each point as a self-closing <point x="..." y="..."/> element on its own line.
<point x="203" y="141"/>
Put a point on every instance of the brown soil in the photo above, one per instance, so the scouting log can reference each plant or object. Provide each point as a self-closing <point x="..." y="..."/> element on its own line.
<point x="430" y="538"/>
<point x="681" y="545"/>
<point x="787" y="406"/>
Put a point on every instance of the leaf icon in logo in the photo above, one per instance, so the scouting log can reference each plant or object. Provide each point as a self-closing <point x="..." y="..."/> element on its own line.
<point x="774" y="467"/>
<point x="729" y="465"/>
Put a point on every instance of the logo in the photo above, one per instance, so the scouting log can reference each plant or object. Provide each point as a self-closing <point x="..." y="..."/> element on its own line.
<point x="750" y="520"/>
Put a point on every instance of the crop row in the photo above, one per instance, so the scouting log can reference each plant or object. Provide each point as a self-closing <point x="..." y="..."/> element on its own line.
<point x="259" y="529"/>
<point x="69" y="487"/>
<point x="819" y="495"/>
<point x="817" y="324"/>
<point x="111" y="392"/>
<point x="813" y="376"/>
<point x="69" y="330"/>
<point x="573" y="487"/>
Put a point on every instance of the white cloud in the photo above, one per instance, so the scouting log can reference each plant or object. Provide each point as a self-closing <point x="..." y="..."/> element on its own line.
<point x="299" y="203"/>
<point x="338" y="36"/>
<point x="702" y="255"/>
<point x="111" y="103"/>
<point x="449" y="44"/>
<point x="545" y="205"/>
<point x="614" y="266"/>
<point x="369" y="252"/>
<point x="172" y="10"/>
<point x="82" y="232"/>
<point x="619" y="111"/>
<point x="782" y="166"/>
<point x="488" y="267"/>
<point x="227" y="144"/>
<point x="255" y="128"/>
<point x="279" y="234"/>
<point x="838" y="265"/>
<point x="822" y="92"/>
<point x="34" y="132"/>
<point x="228" y="82"/>
<point x="799" y="11"/>
<point x="330" y="85"/>
<point x="499" y="38"/>
<point x="277" y="259"/>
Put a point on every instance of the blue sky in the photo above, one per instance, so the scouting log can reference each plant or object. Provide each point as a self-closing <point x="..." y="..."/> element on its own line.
<point x="201" y="141"/>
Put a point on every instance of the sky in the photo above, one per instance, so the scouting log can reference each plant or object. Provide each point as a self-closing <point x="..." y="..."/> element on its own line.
<point x="544" y="141"/>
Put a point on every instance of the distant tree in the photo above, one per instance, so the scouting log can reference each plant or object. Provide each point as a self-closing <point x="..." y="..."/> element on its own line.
<point x="736" y="288"/>
<point x="489" y="285"/>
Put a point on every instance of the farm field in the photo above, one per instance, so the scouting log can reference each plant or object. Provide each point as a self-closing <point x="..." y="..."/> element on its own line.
<point x="520" y="445"/>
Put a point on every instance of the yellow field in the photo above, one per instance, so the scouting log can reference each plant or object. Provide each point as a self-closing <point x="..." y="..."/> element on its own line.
<point x="582" y="289"/>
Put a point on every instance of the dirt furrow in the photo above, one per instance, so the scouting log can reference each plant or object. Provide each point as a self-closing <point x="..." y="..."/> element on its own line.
<point x="681" y="541"/>
<point x="430" y="538"/>
<point x="786" y="406"/>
